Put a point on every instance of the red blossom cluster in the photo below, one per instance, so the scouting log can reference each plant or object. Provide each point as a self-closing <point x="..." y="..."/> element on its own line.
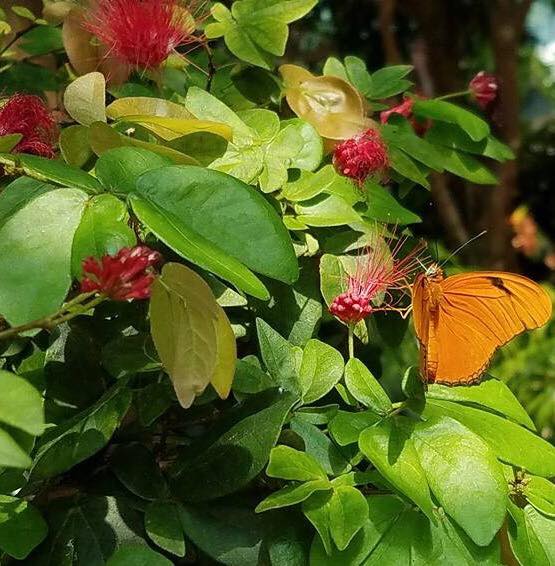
<point x="361" y="156"/>
<point x="141" y="33"/>
<point x="123" y="276"/>
<point x="378" y="270"/>
<point x="27" y="115"/>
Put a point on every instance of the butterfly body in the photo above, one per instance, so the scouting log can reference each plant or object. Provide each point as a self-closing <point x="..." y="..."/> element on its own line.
<point x="460" y="321"/>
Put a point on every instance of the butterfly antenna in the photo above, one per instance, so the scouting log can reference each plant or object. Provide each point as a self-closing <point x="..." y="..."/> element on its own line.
<point x="462" y="247"/>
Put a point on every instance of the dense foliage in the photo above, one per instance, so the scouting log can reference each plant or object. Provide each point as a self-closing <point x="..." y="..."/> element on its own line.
<point x="174" y="386"/>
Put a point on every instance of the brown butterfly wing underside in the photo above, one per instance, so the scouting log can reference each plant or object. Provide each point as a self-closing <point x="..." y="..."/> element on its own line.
<point x="462" y="320"/>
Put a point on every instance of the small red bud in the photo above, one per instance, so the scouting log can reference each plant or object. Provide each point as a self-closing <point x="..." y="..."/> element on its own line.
<point x="484" y="88"/>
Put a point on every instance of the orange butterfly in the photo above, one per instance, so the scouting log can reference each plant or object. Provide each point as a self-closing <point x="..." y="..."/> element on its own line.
<point x="461" y="320"/>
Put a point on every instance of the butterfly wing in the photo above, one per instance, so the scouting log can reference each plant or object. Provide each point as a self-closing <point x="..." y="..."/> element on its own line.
<point x="477" y="314"/>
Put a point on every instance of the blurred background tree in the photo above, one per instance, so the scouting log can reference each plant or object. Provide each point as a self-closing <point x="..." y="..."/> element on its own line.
<point x="448" y="43"/>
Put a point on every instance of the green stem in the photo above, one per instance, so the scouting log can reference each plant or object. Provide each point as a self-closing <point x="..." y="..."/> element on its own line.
<point x="351" y="341"/>
<point x="454" y="95"/>
<point x="70" y="310"/>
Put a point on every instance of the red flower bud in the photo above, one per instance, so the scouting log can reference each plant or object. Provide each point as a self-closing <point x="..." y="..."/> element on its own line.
<point x="404" y="109"/>
<point x="27" y="115"/>
<point x="484" y="88"/>
<point x="123" y="276"/>
<point x="361" y="156"/>
<point x="141" y="33"/>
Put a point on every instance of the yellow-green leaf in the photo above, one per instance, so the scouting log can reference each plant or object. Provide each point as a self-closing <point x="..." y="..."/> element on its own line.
<point x="85" y="99"/>
<point x="146" y="106"/>
<point x="191" y="333"/>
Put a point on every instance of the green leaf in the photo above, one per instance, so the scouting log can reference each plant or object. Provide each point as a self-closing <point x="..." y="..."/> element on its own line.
<point x="405" y="166"/>
<point x="346" y="427"/>
<point x="236" y="451"/>
<point x="118" y="169"/>
<point x="175" y="234"/>
<point x="317" y="510"/>
<point x="309" y="185"/>
<point x="253" y="29"/>
<point x="389" y="81"/>
<point x="466" y="166"/>
<point x="163" y="526"/>
<point x="358" y="75"/>
<point x="103" y="230"/>
<point x="129" y="355"/>
<point x="443" y="111"/>
<point x="490" y="393"/>
<point x="348" y="512"/>
<point x="451" y="135"/>
<point x="292" y="495"/>
<point x="75" y="146"/>
<point x="85" y="99"/>
<point x="279" y="357"/>
<point x="328" y="211"/>
<point x="11" y="454"/>
<point x="9" y="141"/>
<point x="22" y="527"/>
<point x="389" y="446"/>
<point x="335" y="68"/>
<point x="41" y="40"/>
<point x="464" y="476"/>
<point x="211" y="203"/>
<point x="54" y="171"/>
<point x="18" y="194"/>
<point x="312" y="151"/>
<point x="137" y="555"/>
<point x="531" y="536"/>
<point x="541" y="494"/>
<point x="512" y="443"/>
<point x="319" y="445"/>
<point x="64" y="446"/>
<point x="35" y="255"/>
<point x="321" y="368"/>
<point x="290" y="464"/>
<point x="136" y="468"/>
<point x="147" y="106"/>
<point x="21" y="405"/>
<point x="364" y="387"/>
<point x="23" y="12"/>
<point x="383" y="207"/>
<point x="191" y="333"/>
<point x="229" y="534"/>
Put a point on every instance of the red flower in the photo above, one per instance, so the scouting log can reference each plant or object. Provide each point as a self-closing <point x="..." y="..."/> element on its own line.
<point x="378" y="270"/>
<point x="27" y="115"/>
<point x="142" y="33"/>
<point x="404" y="109"/>
<point x="361" y="156"/>
<point x="484" y="88"/>
<point x="123" y="276"/>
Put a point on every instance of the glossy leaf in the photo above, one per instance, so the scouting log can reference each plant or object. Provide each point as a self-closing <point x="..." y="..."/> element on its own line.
<point x="290" y="464"/>
<point x="163" y="526"/>
<point x="292" y="495"/>
<point x="35" y="255"/>
<point x="103" y="230"/>
<point x="191" y="333"/>
<point x="383" y="207"/>
<point x="364" y="387"/>
<point x="321" y="368"/>
<point x="348" y="512"/>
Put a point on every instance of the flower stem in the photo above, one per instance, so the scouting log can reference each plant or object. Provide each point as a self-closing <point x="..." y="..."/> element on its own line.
<point x="351" y="341"/>
<point x="73" y="308"/>
<point x="454" y="95"/>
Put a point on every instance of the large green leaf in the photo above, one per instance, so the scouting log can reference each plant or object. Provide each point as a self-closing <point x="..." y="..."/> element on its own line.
<point x="466" y="166"/>
<point x="197" y="249"/>
<point x="512" y="443"/>
<point x="364" y="387"/>
<point x="21" y="527"/>
<point x="389" y="446"/>
<point x="321" y="368"/>
<point x="66" y="445"/>
<point x="464" y="476"/>
<point x="35" y="255"/>
<point x="18" y="194"/>
<point x="383" y="207"/>
<point x="235" y="451"/>
<point x="226" y="212"/>
<point x="119" y="168"/>
<point x="163" y="526"/>
<point x="191" y="333"/>
<point x="21" y="404"/>
<point x="348" y="513"/>
<point x="253" y="30"/>
<point x="444" y="111"/>
<point x="103" y="230"/>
